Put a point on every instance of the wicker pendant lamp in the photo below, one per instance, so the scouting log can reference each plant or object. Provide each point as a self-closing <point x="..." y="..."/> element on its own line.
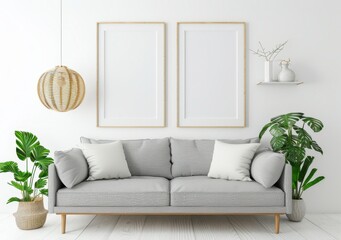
<point x="61" y="89"/>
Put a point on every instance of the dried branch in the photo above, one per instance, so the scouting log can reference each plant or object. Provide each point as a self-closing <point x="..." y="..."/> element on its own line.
<point x="269" y="55"/>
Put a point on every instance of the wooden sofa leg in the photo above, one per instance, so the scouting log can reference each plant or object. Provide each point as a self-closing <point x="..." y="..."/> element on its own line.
<point x="277" y="222"/>
<point x="63" y="222"/>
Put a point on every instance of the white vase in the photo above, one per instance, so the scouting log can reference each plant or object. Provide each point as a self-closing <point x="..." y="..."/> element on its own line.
<point x="298" y="210"/>
<point x="286" y="74"/>
<point x="268" y="72"/>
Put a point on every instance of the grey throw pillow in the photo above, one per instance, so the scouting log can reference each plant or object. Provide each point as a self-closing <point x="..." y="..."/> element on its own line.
<point x="72" y="167"/>
<point x="267" y="167"/>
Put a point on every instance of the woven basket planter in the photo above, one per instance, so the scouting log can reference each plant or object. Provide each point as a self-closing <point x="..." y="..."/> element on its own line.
<point x="31" y="215"/>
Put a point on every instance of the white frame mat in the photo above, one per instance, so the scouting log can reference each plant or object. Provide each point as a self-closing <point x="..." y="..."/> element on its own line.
<point x="211" y="74"/>
<point x="131" y="74"/>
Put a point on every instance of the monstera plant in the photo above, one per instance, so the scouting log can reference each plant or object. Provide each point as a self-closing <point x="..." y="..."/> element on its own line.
<point x="31" y="181"/>
<point x="35" y="157"/>
<point x="290" y="136"/>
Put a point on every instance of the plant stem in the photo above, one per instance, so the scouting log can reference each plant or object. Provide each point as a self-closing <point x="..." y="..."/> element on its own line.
<point x="26" y="164"/>
<point x="32" y="177"/>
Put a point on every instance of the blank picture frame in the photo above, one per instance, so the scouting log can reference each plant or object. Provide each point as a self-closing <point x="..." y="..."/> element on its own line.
<point x="211" y="74"/>
<point x="131" y="74"/>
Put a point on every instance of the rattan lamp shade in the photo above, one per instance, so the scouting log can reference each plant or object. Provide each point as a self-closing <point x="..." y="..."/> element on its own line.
<point x="61" y="89"/>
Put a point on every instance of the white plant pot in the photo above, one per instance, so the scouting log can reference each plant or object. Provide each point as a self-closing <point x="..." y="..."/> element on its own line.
<point x="298" y="210"/>
<point x="268" y="71"/>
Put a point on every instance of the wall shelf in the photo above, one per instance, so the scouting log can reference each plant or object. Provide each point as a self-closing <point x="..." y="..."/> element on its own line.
<point x="280" y="83"/>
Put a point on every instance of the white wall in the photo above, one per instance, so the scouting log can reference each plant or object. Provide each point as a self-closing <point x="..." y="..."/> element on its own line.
<point x="29" y="45"/>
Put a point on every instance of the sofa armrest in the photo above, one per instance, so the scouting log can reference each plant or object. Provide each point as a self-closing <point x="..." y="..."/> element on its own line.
<point x="285" y="183"/>
<point x="54" y="185"/>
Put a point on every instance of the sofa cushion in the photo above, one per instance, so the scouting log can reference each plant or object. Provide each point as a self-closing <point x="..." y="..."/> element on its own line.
<point x="128" y="192"/>
<point x="202" y="191"/>
<point x="145" y="157"/>
<point x="232" y="161"/>
<point x="194" y="157"/>
<point x="106" y="161"/>
<point x="267" y="167"/>
<point x="72" y="167"/>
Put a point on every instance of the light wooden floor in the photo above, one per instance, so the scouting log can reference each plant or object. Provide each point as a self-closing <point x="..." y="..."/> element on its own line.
<point x="319" y="227"/>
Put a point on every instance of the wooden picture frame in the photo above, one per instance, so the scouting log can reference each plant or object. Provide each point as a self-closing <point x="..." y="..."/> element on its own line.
<point x="211" y="74"/>
<point x="131" y="81"/>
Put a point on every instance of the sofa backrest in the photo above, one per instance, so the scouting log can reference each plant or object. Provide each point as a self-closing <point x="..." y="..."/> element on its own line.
<point x="145" y="157"/>
<point x="169" y="157"/>
<point x="193" y="157"/>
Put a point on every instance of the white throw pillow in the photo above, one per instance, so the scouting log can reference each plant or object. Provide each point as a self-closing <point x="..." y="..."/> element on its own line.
<point x="232" y="161"/>
<point x="106" y="161"/>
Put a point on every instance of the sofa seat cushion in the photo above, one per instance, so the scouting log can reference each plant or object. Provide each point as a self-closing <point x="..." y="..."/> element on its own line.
<point x="129" y="192"/>
<point x="202" y="191"/>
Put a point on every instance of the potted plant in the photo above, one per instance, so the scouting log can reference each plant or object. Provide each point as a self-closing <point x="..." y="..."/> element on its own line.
<point x="290" y="137"/>
<point x="31" y="182"/>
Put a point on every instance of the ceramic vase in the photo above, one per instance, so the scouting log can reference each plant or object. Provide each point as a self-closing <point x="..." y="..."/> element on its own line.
<point x="298" y="210"/>
<point x="31" y="215"/>
<point x="268" y="72"/>
<point x="286" y="74"/>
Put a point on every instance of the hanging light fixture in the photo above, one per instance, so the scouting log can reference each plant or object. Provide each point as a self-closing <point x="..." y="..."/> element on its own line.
<point x="61" y="89"/>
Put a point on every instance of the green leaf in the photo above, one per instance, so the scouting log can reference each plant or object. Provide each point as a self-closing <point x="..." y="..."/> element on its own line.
<point x="264" y="129"/>
<point x="28" y="189"/>
<point x="43" y="174"/>
<point x="9" y="166"/>
<point x="287" y="120"/>
<point x="295" y="171"/>
<point x="303" y="137"/>
<point x="39" y="153"/>
<point x="26" y="142"/>
<point x="312" y="183"/>
<point x="13" y="199"/>
<point x="310" y="176"/>
<point x="295" y="154"/>
<point x="40" y="183"/>
<point x="315" y="124"/>
<point x="16" y="185"/>
<point x="44" y="192"/>
<point x="316" y="147"/>
<point x="22" y="176"/>
<point x="276" y="130"/>
<point x="278" y="142"/>
<point x="307" y="162"/>
<point x="43" y="164"/>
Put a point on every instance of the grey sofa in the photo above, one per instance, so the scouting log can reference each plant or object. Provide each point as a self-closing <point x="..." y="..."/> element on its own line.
<point x="169" y="177"/>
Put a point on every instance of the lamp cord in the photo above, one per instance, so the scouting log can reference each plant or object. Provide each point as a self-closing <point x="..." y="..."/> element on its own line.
<point x="61" y="32"/>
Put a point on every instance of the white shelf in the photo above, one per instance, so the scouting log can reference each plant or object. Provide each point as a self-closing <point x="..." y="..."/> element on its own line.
<point x="279" y="83"/>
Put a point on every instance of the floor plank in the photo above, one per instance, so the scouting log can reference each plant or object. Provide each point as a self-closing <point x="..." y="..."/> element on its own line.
<point x="4" y="216"/>
<point x="128" y="227"/>
<point x="309" y="230"/>
<point x="100" y="228"/>
<point x="249" y="228"/>
<point x="285" y="232"/>
<point x="315" y="226"/>
<point x="168" y="228"/>
<point x="75" y="225"/>
<point x="11" y="231"/>
<point x="213" y="228"/>
<point x="182" y="228"/>
<point x="328" y="223"/>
